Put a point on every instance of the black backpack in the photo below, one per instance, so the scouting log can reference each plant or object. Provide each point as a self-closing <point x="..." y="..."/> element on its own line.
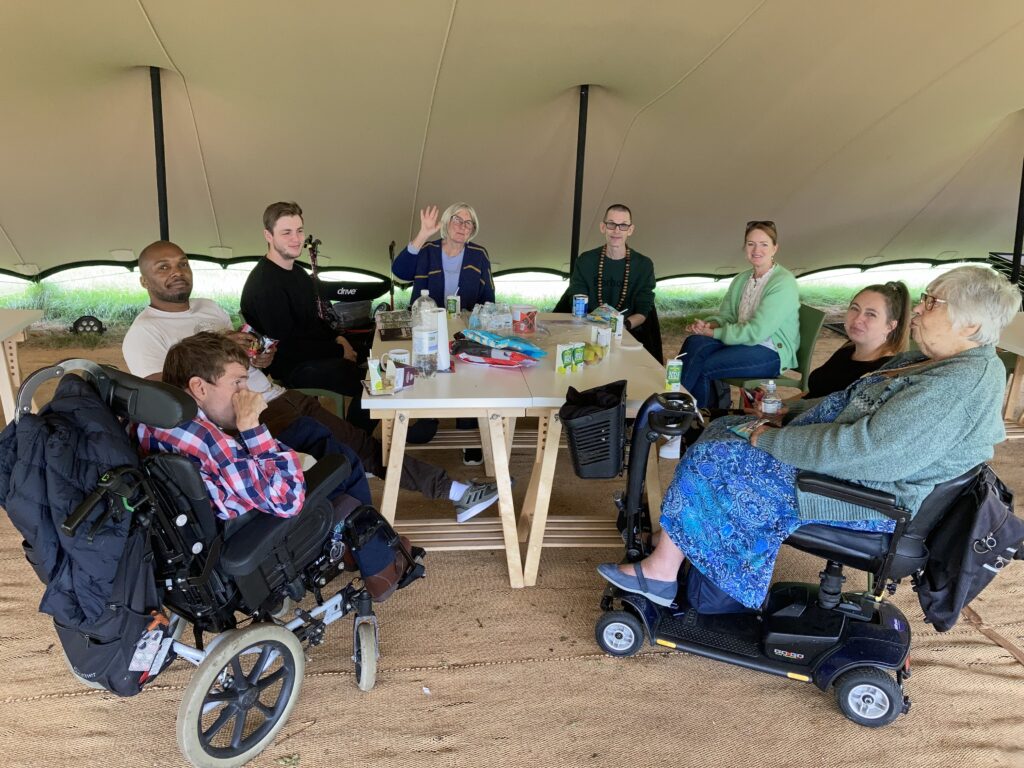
<point x="977" y="537"/>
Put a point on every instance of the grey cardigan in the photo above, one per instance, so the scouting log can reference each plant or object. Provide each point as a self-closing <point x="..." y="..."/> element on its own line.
<point x="904" y="434"/>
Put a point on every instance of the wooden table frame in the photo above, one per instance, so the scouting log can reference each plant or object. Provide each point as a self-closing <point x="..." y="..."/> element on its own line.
<point x="13" y="323"/>
<point x="497" y="426"/>
<point x="497" y="430"/>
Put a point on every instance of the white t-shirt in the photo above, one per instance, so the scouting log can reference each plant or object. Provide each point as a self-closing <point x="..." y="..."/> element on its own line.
<point x="155" y="331"/>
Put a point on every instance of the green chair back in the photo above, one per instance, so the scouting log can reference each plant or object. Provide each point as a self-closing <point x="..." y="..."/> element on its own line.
<point x="811" y="320"/>
<point x="337" y="399"/>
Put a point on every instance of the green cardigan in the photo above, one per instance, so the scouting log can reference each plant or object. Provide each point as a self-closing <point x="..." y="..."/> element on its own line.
<point x="904" y="434"/>
<point x="777" y="316"/>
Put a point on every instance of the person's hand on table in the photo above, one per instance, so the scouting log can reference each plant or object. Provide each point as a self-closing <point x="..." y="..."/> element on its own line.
<point x="248" y="406"/>
<point x="346" y="349"/>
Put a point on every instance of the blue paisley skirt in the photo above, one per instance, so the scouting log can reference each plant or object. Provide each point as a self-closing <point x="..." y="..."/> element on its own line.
<point x="730" y="506"/>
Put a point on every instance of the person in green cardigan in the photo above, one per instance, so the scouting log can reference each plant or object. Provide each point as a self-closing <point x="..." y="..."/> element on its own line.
<point x="921" y="419"/>
<point x="756" y="331"/>
<point x="615" y="274"/>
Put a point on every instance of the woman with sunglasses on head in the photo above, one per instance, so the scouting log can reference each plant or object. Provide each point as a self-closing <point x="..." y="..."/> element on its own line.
<point x="756" y="331"/>
<point x="450" y="264"/>
<point x="614" y="274"/>
<point x="923" y="418"/>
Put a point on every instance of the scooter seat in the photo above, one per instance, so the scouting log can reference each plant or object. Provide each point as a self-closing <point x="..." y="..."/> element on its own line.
<point x="864" y="550"/>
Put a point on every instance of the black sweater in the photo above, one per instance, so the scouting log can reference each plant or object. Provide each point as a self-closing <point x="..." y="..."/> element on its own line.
<point x="839" y="371"/>
<point x="281" y="303"/>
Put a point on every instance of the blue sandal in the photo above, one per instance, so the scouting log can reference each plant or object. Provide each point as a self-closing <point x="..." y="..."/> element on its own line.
<point x="658" y="592"/>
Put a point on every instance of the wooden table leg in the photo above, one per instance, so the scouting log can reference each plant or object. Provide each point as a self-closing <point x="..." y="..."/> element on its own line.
<point x="1013" y="396"/>
<point x="387" y="425"/>
<point x="510" y="435"/>
<point x="495" y="437"/>
<point x="538" y="495"/>
<point x="485" y="446"/>
<point x="389" y="504"/>
<point x="11" y="379"/>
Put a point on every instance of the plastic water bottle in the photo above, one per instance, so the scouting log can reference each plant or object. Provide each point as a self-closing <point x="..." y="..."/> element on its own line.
<point x="771" y="403"/>
<point x="424" y="335"/>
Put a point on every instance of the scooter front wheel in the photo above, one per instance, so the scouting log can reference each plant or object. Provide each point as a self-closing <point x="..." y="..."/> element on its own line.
<point x="620" y="633"/>
<point x="869" y="696"/>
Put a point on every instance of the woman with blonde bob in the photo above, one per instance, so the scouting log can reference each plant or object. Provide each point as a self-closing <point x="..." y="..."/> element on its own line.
<point x="921" y="419"/>
<point x="450" y="264"/>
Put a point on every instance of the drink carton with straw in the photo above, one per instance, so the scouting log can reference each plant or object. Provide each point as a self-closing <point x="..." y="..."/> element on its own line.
<point x="674" y="374"/>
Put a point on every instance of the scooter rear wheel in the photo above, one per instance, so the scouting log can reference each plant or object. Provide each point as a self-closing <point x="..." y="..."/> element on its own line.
<point x="869" y="696"/>
<point x="620" y="633"/>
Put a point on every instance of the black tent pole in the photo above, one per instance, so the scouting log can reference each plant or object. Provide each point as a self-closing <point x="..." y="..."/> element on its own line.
<point x="158" y="140"/>
<point x="1018" y="238"/>
<point x="577" y="195"/>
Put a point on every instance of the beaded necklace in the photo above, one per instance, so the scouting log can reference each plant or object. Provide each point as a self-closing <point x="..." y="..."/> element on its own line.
<point x="600" y="279"/>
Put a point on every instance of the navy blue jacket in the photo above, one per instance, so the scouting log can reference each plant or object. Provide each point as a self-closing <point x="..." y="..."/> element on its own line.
<point x="424" y="268"/>
<point x="49" y="462"/>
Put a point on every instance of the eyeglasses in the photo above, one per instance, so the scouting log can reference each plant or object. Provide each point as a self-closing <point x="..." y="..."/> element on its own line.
<point x="457" y="221"/>
<point x="622" y="226"/>
<point x="930" y="301"/>
<point x="759" y="224"/>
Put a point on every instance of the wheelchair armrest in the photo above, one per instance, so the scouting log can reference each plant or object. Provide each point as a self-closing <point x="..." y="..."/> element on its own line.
<point x="252" y="539"/>
<point x="843" y="490"/>
<point x="325" y="476"/>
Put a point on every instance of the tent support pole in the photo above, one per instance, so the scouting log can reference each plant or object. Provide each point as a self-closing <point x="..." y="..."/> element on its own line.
<point x="577" y="194"/>
<point x="158" y="140"/>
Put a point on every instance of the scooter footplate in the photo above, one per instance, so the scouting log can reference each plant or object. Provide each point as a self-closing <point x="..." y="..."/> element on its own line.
<point x="690" y="627"/>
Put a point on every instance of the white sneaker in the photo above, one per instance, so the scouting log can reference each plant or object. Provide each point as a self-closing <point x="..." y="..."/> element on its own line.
<point x="670" y="450"/>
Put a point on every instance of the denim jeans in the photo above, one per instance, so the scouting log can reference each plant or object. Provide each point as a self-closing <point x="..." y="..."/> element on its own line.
<point x="708" y="360"/>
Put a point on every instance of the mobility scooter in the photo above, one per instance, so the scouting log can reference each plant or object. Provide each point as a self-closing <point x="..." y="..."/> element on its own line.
<point x="854" y="642"/>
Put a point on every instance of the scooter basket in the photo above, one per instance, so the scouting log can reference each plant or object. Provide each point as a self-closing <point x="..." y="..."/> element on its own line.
<point x="597" y="437"/>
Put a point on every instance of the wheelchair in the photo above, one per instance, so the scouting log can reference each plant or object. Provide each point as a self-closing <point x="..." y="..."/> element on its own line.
<point x="239" y="580"/>
<point x="854" y="642"/>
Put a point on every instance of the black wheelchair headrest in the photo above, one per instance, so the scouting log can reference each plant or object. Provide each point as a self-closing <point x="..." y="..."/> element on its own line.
<point x="139" y="400"/>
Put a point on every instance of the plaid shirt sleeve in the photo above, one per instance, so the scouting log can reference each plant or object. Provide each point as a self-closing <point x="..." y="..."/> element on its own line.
<point x="256" y="473"/>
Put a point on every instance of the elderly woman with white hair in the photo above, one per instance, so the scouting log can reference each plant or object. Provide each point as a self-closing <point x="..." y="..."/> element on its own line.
<point x="452" y="263"/>
<point x="921" y="419"/>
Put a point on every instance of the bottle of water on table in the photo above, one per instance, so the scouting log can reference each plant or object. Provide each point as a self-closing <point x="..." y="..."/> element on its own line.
<point x="424" y="335"/>
<point x="771" y="403"/>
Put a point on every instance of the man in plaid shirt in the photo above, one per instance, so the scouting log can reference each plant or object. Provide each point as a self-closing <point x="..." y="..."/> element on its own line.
<point x="253" y="471"/>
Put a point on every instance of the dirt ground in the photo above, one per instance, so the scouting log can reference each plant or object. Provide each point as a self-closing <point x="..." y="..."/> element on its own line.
<point x="474" y="673"/>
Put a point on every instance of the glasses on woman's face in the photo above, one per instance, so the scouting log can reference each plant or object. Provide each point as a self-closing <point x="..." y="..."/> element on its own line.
<point x="622" y="226"/>
<point x="929" y="301"/>
<point x="457" y="221"/>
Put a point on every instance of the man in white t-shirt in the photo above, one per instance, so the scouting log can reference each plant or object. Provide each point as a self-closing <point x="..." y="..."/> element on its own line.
<point x="173" y="315"/>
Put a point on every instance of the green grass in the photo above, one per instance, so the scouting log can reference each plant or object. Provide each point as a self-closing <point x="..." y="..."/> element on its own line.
<point x="117" y="305"/>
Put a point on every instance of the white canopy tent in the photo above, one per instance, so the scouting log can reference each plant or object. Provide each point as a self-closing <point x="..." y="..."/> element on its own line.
<point x="870" y="131"/>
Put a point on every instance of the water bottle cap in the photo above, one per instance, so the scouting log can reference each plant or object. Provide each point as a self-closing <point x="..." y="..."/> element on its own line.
<point x="424" y="292"/>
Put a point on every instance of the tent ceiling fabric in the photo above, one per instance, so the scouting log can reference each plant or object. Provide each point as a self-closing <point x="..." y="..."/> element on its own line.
<point x="866" y="130"/>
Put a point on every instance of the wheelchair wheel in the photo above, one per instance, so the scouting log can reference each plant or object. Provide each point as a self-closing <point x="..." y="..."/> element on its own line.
<point x="365" y="655"/>
<point x="869" y="696"/>
<point x="619" y="633"/>
<point x="240" y="696"/>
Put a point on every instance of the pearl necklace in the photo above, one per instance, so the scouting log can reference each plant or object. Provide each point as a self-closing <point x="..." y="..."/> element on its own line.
<point x="600" y="279"/>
